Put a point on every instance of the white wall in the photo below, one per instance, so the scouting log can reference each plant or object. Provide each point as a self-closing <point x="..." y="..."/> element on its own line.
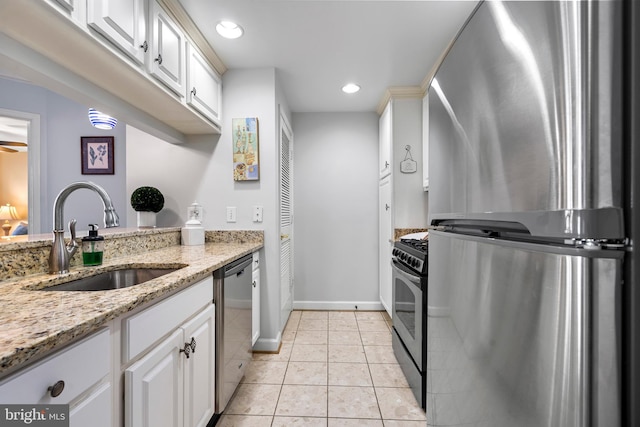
<point x="250" y="93"/>
<point x="410" y="201"/>
<point x="336" y="210"/>
<point x="176" y="170"/>
<point x="63" y="122"/>
<point x="202" y="170"/>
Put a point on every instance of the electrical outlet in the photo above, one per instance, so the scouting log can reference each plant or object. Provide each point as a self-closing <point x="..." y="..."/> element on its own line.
<point x="231" y="214"/>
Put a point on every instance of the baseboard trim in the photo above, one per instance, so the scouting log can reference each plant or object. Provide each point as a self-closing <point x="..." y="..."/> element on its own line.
<point x="269" y="345"/>
<point x="338" y="305"/>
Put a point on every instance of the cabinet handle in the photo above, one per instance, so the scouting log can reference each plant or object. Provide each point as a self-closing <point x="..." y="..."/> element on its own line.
<point x="254" y="283"/>
<point x="193" y="345"/>
<point x="186" y="350"/>
<point x="386" y="164"/>
<point x="56" y="389"/>
<point x="193" y="91"/>
<point x="145" y="46"/>
<point x="159" y="59"/>
<point x="386" y="207"/>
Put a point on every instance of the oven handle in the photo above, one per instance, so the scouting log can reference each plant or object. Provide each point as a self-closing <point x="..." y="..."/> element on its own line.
<point x="402" y="271"/>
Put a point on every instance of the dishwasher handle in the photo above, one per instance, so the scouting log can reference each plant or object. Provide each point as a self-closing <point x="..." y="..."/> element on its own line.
<point x="237" y="267"/>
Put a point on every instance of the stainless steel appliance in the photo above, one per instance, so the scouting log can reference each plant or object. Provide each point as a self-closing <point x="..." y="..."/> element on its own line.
<point x="532" y="297"/>
<point x="232" y="297"/>
<point x="409" y="303"/>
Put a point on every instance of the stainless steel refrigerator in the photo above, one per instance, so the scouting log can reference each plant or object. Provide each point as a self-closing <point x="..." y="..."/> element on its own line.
<point x="533" y="150"/>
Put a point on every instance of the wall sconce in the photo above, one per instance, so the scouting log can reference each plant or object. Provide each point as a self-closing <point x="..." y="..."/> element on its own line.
<point x="101" y="120"/>
<point x="8" y="212"/>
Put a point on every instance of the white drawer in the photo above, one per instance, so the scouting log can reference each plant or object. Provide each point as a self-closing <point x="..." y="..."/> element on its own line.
<point x="141" y="330"/>
<point x="80" y="366"/>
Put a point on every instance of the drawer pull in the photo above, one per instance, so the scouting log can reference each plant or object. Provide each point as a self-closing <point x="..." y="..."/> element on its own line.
<point x="186" y="350"/>
<point x="56" y="389"/>
<point x="193" y="345"/>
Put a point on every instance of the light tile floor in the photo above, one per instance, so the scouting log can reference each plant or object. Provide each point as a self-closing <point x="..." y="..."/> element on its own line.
<point x="334" y="369"/>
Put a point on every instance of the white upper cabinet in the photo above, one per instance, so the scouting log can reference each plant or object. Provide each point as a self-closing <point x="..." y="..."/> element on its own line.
<point x="425" y="143"/>
<point x="167" y="46"/>
<point x="203" y="85"/>
<point x="123" y="23"/>
<point x="386" y="132"/>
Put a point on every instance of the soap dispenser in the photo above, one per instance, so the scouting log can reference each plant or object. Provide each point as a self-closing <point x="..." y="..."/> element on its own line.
<point x="193" y="232"/>
<point x="92" y="247"/>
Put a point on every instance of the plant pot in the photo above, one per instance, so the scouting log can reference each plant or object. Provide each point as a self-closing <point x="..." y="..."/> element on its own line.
<point x="146" y="219"/>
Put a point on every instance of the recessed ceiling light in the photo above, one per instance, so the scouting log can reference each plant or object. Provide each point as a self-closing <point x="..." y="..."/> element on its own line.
<point x="229" y="30"/>
<point x="350" y="88"/>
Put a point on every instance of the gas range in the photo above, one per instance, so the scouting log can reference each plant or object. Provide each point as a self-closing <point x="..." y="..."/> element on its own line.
<point x="409" y="278"/>
<point x="413" y="253"/>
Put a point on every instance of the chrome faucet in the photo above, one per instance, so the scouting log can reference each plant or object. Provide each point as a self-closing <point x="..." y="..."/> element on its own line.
<point x="61" y="254"/>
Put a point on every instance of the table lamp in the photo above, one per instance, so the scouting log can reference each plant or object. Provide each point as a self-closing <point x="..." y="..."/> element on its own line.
<point x="8" y="212"/>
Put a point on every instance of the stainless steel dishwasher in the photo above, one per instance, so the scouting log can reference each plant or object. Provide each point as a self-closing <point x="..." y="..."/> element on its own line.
<point x="232" y="296"/>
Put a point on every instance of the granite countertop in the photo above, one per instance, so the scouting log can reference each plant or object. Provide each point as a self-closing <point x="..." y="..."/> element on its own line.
<point x="34" y="322"/>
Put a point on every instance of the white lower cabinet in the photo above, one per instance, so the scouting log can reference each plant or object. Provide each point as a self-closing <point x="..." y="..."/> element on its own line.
<point x="161" y="358"/>
<point x="95" y="410"/>
<point x="78" y="375"/>
<point x="199" y="371"/>
<point x="173" y="384"/>
<point x="385" y="223"/>
<point x="255" y="299"/>
<point x="154" y="386"/>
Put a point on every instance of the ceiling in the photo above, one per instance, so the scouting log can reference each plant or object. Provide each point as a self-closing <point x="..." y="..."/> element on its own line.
<point x="317" y="46"/>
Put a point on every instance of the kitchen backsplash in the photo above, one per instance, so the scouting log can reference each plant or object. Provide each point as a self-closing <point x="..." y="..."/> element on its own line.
<point x="24" y="258"/>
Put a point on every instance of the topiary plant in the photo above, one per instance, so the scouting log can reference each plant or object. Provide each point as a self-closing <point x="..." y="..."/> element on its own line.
<point x="148" y="199"/>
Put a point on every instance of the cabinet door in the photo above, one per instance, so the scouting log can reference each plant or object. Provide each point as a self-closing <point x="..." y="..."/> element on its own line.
<point x="425" y="143"/>
<point x="122" y="22"/>
<point x="385" y="129"/>
<point x="167" y="50"/>
<point x="95" y="410"/>
<point x="199" y="369"/>
<point x="255" y="307"/>
<point x="203" y="85"/>
<point x="154" y="386"/>
<point x="69" y="5"/>
<point x="386" y="245"/>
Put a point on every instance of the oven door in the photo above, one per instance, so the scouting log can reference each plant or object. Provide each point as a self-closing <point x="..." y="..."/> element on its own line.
<point x="407" y="310"/>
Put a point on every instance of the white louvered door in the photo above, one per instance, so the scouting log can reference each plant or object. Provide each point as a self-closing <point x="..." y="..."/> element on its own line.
<point x="286" y="220"/>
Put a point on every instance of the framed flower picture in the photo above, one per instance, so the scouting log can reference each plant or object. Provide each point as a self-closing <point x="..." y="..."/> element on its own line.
<point x="97" y="155"/>
<point x="246" y="165"/>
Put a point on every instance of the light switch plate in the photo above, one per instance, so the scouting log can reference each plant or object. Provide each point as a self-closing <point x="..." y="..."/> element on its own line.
<point x="231" y="214"/>
<point x="257" y="214"/>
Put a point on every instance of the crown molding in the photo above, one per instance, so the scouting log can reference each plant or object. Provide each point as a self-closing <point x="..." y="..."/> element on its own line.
<point x="182" y="17"/>
<point x="399" y="92"/>
<point x="427" y="79"/>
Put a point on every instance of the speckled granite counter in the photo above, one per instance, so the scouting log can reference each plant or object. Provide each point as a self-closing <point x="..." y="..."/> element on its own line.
<point x="35" y="322"/>
<point x="399" y="232"/>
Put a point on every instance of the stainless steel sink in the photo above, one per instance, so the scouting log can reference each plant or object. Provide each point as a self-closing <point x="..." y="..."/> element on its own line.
<point x="115" y="279"/>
